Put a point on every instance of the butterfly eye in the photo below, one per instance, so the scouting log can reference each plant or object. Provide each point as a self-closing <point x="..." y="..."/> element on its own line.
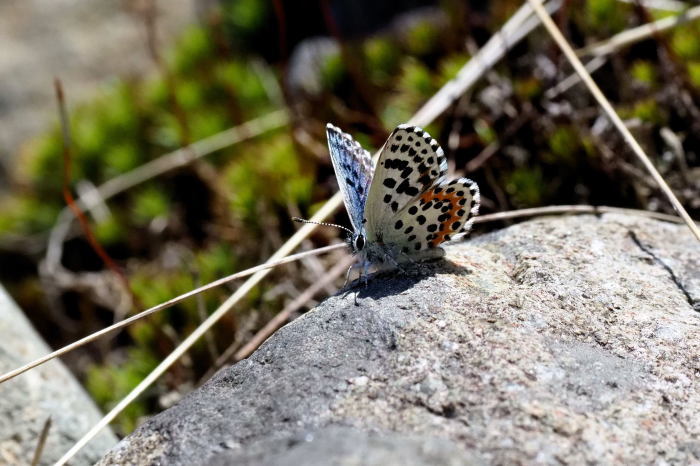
<point x="359" y="242"/>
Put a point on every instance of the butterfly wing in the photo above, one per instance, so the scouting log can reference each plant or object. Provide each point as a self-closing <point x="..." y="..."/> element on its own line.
<point x="409" y="164"/>
<point x="353" y="169"/>
<point x="439" y="214"/>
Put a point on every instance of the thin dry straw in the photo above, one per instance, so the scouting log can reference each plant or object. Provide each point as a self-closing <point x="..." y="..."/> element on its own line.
<point x="667" y="5"/>
<point x="576" y="210"/>
<point x="548" y="210"/>
<point x="157" y="167"/>
<point x="519" y="25"/>
<point x="189" y="154"/>
<point x="633" y="35"/>
<point x="165" y="305"/>
<point x="603" y="48"/>
<point x="41" y="442"/>
<point x="282" y="316"/>
<point x="607" y="107"/>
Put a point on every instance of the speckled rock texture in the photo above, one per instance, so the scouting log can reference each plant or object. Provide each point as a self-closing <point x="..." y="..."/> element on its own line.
<point x="48" y="390"/>
<point x="558" y="340"/>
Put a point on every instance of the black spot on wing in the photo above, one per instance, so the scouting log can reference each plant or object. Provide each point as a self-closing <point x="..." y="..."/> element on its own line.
<point x="424" y="180"/>
<point x="405" y="187"/>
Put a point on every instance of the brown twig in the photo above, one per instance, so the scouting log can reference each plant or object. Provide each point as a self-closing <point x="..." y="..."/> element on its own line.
<point x="68" y="196"/>
<point x="150" y="17"/>
<point x="41" y="442"/>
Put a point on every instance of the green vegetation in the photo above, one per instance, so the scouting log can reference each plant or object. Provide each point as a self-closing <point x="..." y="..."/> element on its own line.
<point x="231" y="209"/>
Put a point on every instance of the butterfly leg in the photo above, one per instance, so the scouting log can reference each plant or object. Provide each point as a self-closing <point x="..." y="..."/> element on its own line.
<point x="347" y="274"/>
<point x="394" y="262"/>
<point x="364" y="274"/>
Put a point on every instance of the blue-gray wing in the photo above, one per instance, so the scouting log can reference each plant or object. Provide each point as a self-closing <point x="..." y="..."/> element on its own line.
<point x="353" y="169"/>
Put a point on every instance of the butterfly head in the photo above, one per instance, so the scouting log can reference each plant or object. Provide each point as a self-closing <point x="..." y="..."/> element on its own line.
<point x="358" y="242"/>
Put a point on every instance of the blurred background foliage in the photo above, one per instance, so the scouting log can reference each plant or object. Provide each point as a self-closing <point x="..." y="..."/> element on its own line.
<point x="366" y="67"/>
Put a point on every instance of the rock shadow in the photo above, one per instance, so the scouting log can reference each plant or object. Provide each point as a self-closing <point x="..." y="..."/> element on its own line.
<point x="395" y="281"/>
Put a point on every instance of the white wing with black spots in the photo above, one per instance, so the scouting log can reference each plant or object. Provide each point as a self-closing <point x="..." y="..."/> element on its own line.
<point x="409" y="164"/>
<point x="442" y="213"/>
<point x="353" y="169"/>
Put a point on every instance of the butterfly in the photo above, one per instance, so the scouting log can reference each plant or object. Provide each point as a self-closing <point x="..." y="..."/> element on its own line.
<point x="404" y="208"/>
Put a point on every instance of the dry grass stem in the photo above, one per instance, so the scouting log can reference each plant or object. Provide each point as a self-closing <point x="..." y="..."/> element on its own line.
<point x="281" y="317"/>
<point x="607" y="107"/>
<point x="665" y="5"/>
<point x="515" y="29"/>
<point x="36" y="459"/>
<point x="574" y="210"/>
<point x="630" y="36"/>
<point x="171" y="302"/>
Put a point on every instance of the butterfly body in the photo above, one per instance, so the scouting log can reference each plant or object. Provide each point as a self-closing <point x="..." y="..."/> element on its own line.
<point x="403" y="209"/>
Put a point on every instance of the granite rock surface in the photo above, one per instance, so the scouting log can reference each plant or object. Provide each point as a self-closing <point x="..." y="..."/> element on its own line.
<point x="561" y="339"/>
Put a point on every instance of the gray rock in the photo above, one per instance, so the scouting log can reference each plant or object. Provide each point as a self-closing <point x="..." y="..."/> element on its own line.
<point x="48" y="390"/>
<point x="567" y="339"/>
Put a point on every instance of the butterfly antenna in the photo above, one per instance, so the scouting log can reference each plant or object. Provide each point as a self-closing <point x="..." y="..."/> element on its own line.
<point x="301" y="220"/>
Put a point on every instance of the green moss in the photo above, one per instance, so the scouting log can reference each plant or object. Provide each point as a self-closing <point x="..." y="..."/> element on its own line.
<point x="245" y="16"/>
<point x="149" y="203"/>
<point x="194" y="47"/>
<point x="109" y="384"/>
<point x="109" y="231"/>
<point x="527" y="88"/>
<point x="333" y="71"/>
<point x="216" y="261"/>
<point x="422" y="38"/>
<point x="684" y="42"/>
<point x="606" y="15"/>
<point x="248" y="89"/>
<point x="484" y="131"/>
<point x="589" y="147"/>
<point x="270" y="171"/>
<point x="203" y="125"/>
<point x="416" y="79"/>
<point x="382" y="60"/>
<point x="526" y="186"/>
<point x="153" y="289"/>
<point x="450" y="66"/>
<point x="28" y="214"/>
<point x="648" y="110"/>
<point x="694" y="73"/>
<point x="563" y="144"/>
<point x="119" y="158"/>
<point x="190" y="94"/>
<point x="644" y="72"/>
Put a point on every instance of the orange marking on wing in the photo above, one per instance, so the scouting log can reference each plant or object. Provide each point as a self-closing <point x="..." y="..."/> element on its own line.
<point x="453" y="199"/>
